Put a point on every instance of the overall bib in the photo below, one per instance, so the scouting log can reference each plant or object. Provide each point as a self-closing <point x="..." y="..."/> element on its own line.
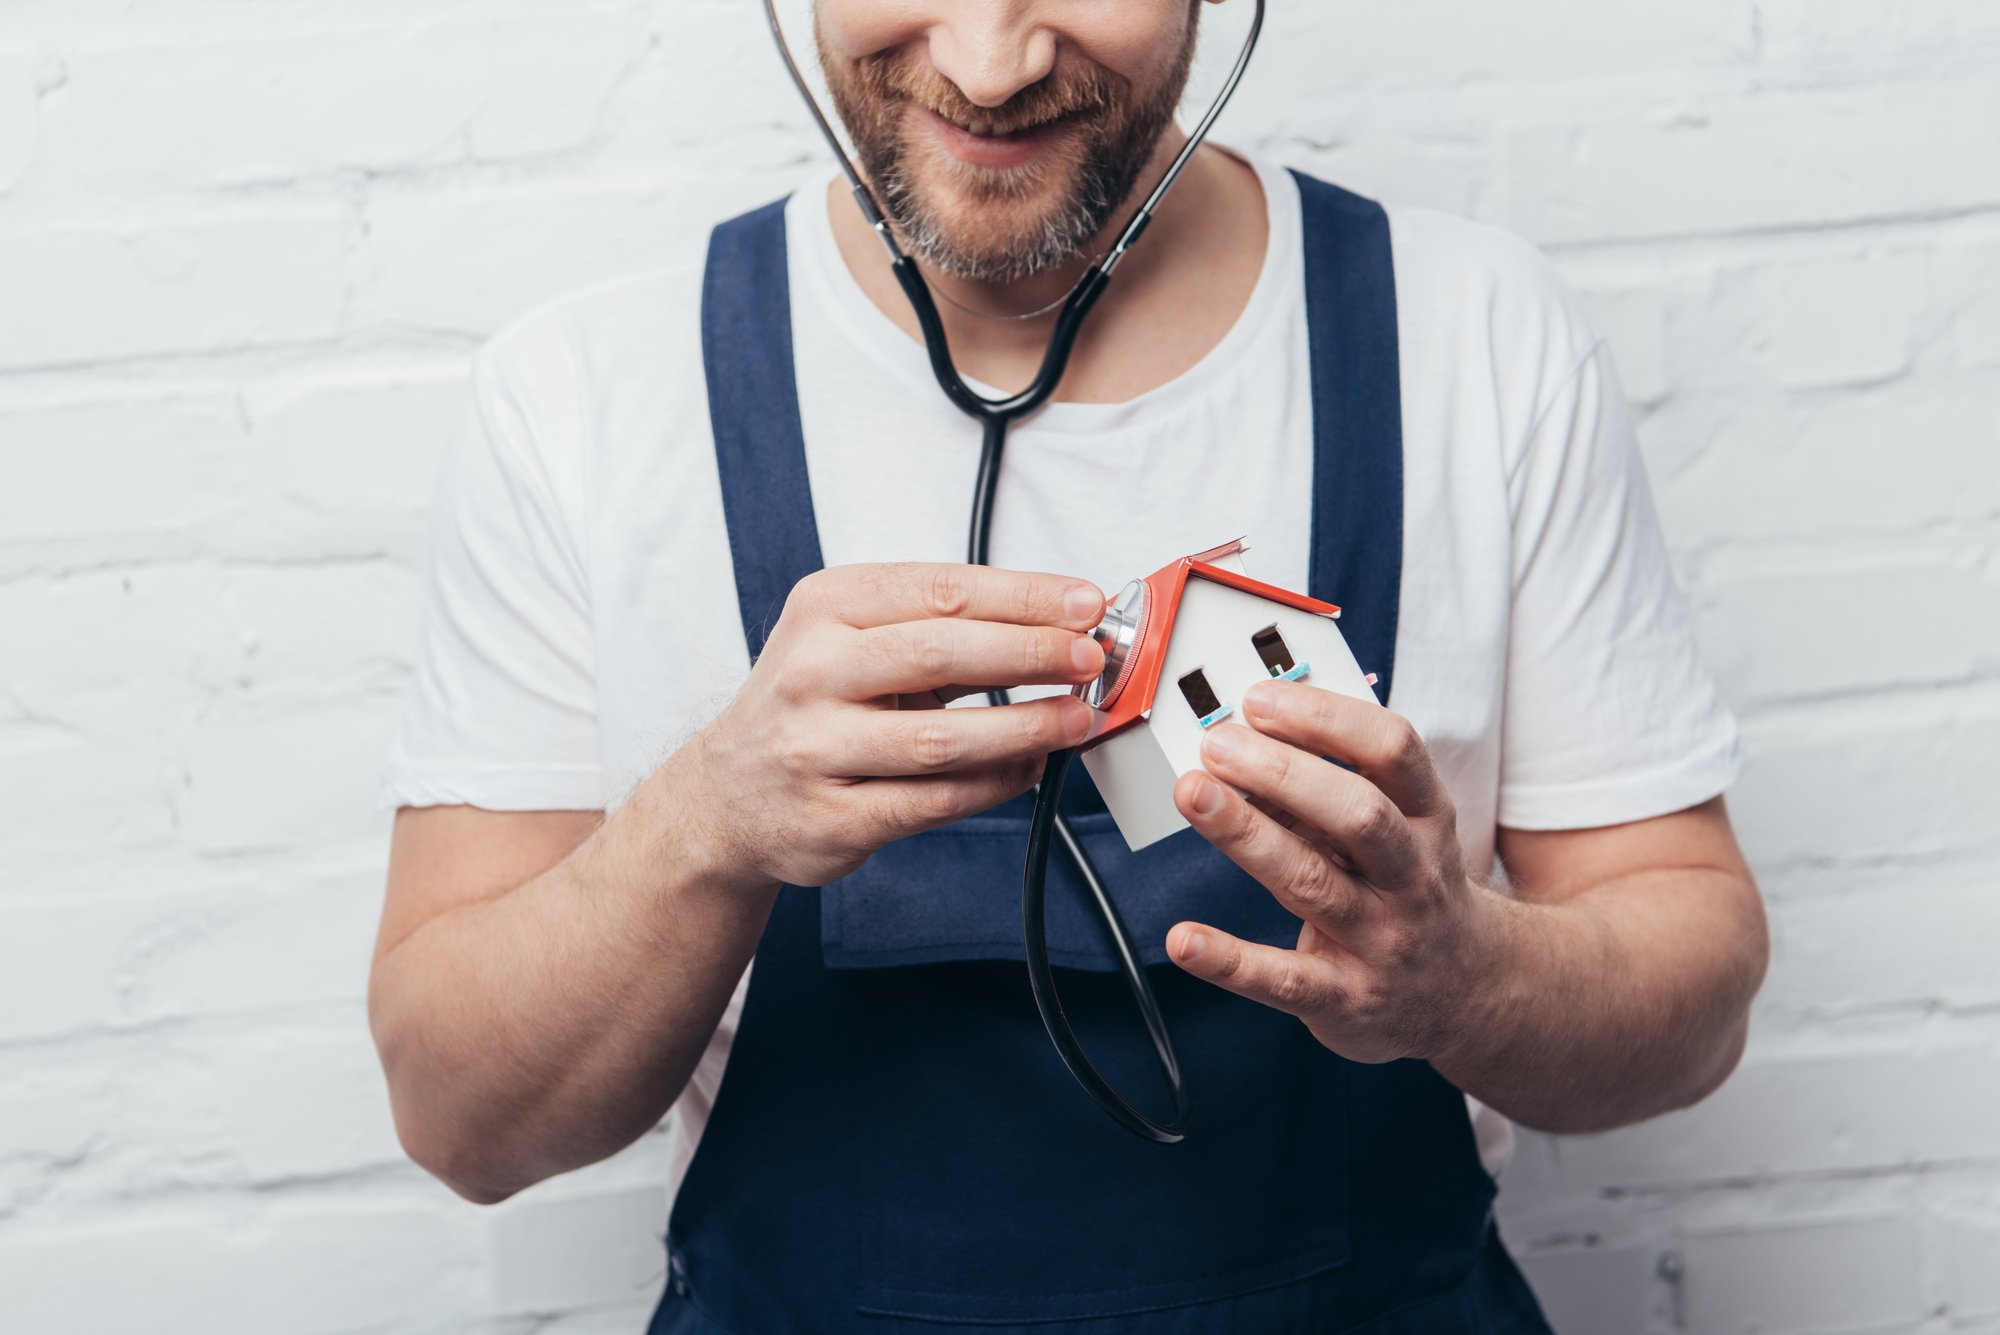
<point x="897" y="1150"/>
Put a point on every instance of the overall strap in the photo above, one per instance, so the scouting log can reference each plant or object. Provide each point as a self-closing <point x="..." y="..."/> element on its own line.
<point x="1357" y="530"/>
<point x="753" y="409"/>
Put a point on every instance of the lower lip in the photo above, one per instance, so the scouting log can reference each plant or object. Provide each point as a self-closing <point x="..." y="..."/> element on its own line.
<point x="1014" y="150"/>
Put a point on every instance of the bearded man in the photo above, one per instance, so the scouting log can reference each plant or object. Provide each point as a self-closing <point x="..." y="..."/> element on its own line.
<point x="684" y="828"/>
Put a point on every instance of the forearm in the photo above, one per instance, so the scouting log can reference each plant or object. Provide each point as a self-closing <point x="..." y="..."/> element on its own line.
<point x="1616" y="1004"/>
<point x="544" y="1029"/>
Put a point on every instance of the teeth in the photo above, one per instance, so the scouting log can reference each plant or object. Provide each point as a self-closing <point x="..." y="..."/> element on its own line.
<point x="986" y="127"/>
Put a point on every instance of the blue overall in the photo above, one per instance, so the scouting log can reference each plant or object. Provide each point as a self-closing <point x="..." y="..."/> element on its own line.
<point x="897" y="1148"/>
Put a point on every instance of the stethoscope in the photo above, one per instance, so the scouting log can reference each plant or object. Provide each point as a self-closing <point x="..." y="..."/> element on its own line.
<point x="994" y="417"/>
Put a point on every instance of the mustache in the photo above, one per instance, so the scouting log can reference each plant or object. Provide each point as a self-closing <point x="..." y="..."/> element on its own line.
<point x="1073" y="92"/>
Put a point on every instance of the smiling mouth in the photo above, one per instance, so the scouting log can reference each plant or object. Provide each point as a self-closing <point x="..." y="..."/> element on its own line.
<point x="988" y="127"/>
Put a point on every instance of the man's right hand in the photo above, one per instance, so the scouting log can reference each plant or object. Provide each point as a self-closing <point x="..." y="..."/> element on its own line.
<point x="839" y="743"/>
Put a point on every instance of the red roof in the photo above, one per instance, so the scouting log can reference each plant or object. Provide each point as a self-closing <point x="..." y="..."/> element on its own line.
<point x="1132" y="698"/>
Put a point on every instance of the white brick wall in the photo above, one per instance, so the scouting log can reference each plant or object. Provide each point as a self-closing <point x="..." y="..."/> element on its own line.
<point x="245" y="251"/>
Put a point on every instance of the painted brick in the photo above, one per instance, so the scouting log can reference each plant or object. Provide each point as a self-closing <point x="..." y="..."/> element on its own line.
<point x="228" y="797"/>
<point x="1814" y="470"/>
<point x="429" y="264"/>
<point x="202" y="630"/>
<point x="1884" y="783"/>
<point x="1782" y="159"/>
<point x="655" y="121"/>
<point x="1862" y="37"/>
<point x="231" y="946"/>
<point x="1971" y="1250"/>
<point x="306" y="1101"/>
<point x="1802" y="1114"/>
<point x="1908" y="938"/>
<point x="569" y="1251"/>
<point x="156" y="1113"/>
<point x="620" y="1319"/>
<point x="38" y="999"/>
<point x="1844" y="320"/>
<point x="110" y="466"/>
<point x="1603" y="1289"/>
<point x="282" y="107"/>
<point x="20" y="116"/>
<point x="64" y="789"/>
<point x="365" y="446"/>
<point x="1836" y="628"/>
<point x="1968" y="289"/>
<point x="287" y="470"/>
<point x="1819" y="1279"/>
<point x="1435" y="43"/>
<point x="104" y="292"/>
<point x="233" y="950"/>
<point x="309" y="1269"/>
<point x="468" y="262"/>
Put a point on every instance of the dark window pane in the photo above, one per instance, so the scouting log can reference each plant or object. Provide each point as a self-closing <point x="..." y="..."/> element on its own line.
<point x="1200" y="695"/>
<point x="1271" y="648"/>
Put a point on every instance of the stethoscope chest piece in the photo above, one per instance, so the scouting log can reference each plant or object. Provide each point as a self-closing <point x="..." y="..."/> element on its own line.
<point x="1119" y="636"/>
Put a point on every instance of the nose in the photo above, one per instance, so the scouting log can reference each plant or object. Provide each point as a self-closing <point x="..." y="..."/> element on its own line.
<point x="992" y="49"/>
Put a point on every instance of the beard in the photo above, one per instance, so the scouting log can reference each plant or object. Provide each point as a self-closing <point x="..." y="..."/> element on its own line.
<point x="1015" y="222"/>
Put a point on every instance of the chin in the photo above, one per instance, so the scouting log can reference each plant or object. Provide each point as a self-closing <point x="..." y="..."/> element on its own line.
<point x="986" y="222"/>
<point x="984" y="250"/>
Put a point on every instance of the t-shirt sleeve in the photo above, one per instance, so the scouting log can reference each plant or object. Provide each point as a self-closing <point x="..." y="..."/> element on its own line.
<point x="502" y="710"/>
<point x="1610" y="715"/>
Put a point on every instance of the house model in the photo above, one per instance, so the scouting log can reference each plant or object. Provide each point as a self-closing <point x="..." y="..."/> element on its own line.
<point x="1180" y="648"/>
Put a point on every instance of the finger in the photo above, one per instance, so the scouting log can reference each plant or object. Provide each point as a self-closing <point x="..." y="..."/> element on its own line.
<point x="905" y="806"/>
<point x="1297" y="874"/>
<point x="941" y="696"/>
<point x="1353" y="815"/>
<point x="1308" y="986"/>
<point x="936" y="741"/>
<point x="882" y="594"/>
<point x="1381" y="744"/>
<point x="914" y="656"/>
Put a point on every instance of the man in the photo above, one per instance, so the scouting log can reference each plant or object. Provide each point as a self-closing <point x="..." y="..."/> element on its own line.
<point x="608" y="813"/>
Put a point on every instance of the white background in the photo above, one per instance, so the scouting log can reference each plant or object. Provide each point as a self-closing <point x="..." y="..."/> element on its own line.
<point x="245" y="251"/>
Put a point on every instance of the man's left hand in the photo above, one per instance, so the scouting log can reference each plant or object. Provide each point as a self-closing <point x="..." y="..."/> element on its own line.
<point x="1400" y="948"/>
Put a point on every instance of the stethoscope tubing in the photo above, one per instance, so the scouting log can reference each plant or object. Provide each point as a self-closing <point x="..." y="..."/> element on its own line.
<point x="995" y="415"/>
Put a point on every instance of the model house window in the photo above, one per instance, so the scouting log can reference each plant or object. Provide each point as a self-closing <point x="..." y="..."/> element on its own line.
<point x="1200" y="695"/>
<point x="1271" y="648"/>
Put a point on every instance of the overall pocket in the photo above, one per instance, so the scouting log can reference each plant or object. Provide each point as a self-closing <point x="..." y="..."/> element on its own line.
<point x="955" y="894"/>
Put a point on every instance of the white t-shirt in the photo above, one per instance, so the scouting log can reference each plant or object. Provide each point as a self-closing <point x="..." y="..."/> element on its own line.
<point x="583" y="622"/>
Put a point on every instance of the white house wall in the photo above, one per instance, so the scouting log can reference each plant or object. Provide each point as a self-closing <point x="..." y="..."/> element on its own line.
<point x="1212" y="632"/>
<point x="1137" y="784"/>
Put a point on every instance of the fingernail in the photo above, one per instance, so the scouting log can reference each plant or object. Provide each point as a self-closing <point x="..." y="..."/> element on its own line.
<point x="1222" y="743"/>
<point x="1083" y="603"/>
<point x="1075" y="719"/>
<point x="1086" y="656"/>
<point x="1260" y="701"/>
<point x="1207" y="797"/>
<point x="1193" y="944"/>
